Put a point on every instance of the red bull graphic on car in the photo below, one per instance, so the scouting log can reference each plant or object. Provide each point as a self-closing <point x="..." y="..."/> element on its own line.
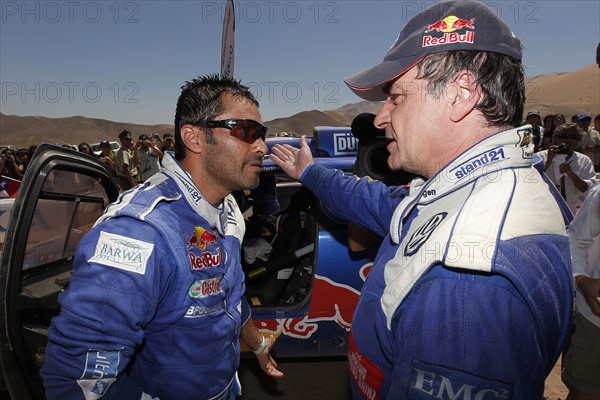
<point x="331" y="301"/>
<point x="448" y="26"/>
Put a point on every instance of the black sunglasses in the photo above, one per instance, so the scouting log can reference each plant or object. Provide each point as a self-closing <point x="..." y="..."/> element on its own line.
<point x="247" y="130"/>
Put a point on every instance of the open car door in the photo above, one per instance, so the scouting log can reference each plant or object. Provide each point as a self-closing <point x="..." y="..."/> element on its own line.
<point x="61" y="196"/>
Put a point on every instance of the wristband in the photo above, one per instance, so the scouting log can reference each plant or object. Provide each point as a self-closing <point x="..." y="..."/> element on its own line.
<point x="262" y="347"/>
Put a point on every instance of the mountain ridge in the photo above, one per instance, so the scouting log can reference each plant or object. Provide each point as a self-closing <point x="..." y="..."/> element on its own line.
<point x="561" y="92"/>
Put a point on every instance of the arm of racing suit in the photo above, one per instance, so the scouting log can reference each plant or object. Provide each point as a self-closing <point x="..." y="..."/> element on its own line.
<point x="364" y="201"/>
<point x="105" y="310"/>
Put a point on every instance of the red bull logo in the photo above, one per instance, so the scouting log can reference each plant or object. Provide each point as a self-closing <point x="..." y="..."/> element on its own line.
<point x="201" y="239"/>
<point x="448" y="26"/>
<point x="331" y="301"/>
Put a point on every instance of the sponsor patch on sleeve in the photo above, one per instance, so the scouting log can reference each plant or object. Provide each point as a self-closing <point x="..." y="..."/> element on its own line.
<point x="431" y="381"/>
<point x="101" y="369"/>
<point x="122" y="252"/>
<point x="367" y="377"/>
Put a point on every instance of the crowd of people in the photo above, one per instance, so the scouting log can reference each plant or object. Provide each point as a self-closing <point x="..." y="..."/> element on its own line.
<point x="570" y="152"/>
<point x="134" y="162"/>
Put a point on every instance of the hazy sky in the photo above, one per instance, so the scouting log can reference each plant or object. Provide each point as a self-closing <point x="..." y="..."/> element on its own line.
<point x="126" y="60"/>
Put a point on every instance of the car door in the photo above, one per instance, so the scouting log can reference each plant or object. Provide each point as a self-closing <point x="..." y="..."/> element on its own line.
<point x="61" y="196"/>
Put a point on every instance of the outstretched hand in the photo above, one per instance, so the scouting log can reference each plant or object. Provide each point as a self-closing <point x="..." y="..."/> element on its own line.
<point x="266" y="361"/>
<point x="291" y="160"/>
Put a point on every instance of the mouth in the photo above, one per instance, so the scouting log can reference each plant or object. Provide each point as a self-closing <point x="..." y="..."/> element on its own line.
<point x="255" y="165"/>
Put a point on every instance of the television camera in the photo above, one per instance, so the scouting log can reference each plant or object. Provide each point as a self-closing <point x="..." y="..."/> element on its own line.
<point x="372" y="153"/>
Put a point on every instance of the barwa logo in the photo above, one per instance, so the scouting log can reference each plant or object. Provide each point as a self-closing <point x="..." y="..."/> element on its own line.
<point x="122" y="253"/>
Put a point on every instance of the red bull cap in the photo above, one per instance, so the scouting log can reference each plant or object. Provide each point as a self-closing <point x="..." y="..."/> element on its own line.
<point x="446" y="26"/>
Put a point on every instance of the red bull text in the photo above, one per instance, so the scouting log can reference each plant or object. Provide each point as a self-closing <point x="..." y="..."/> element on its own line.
<point x="448" y="26"/>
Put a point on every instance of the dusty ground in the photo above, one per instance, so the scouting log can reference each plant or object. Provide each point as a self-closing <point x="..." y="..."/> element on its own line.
<point x="555" y="389"/>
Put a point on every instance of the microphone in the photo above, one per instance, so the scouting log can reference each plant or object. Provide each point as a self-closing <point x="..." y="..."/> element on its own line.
<point x="363" y="127"/>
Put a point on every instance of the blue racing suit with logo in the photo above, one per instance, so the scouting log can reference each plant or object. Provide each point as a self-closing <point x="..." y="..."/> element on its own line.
<point x="155" y="303"/>
<point x="470" y="295"/>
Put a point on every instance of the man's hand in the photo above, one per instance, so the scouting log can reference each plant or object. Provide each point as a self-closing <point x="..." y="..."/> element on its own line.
<point x="254" y="339"/>
<point x="590" y="288"/>
<point x="291" y="160"/>
<point x="266" y="362"/>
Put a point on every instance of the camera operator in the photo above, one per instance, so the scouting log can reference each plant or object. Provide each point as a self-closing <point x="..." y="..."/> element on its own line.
<point x="572" y="172"/>
<point x="9" y="165"/>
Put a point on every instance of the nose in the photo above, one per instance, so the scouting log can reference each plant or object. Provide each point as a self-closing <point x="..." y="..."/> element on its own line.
<point x="261" y="146"/>
<point x="382" y="119"/>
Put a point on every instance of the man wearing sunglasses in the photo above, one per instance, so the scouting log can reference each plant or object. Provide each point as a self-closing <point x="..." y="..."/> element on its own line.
<point x="571" y="171"/>
<point x="156" y="305"/>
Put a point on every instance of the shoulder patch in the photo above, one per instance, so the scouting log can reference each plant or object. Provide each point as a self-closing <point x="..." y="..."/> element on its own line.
<point x="101" y="370"/>
<point x="122" y="252"/>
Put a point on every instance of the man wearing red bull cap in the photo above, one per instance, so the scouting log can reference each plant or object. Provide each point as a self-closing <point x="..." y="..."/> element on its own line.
<point x="470" y="296"/>
<point x="156" y="306"/>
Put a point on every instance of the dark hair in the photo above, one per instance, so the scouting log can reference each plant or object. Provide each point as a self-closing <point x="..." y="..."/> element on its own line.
<point x="566" y="129"/>
<point x="500" y="77"/>
<point x="86" y="145"/>
<point x="201" y="99"/>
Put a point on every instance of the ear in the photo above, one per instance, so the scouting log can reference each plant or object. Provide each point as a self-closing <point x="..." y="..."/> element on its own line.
<point x="468" y="94"/>
<point x="191" y="138"/>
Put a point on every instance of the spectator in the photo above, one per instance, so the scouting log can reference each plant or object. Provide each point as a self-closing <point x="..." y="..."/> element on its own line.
<point x="32" y="149"/>
<point x="86" y="149"/>
<point x="9" y="166"/>
<point x="557" y="121"/>
<point x="547" y="124"/>
<point x="168" y="144"/>
<point x="108" y="157"/>
<point x="157" y="140"/>
<point x="150" y="157"/>
<point x="572" y="172"/>
<point x="590" y="142"/>
<point x="470" y="294"/>
<point x="127" y="162"/>
<point x="583" y="121"/>
<point x="581" y="363"/>
<point x="596" y="158"/>
<point x="534" y="119"/>
<point x="156" y="307"/>
<point x="23" y="158"/>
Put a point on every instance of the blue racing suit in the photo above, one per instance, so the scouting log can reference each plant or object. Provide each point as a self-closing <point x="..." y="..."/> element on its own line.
<point x="470" y="295"/>
<point x="155" y="303"/>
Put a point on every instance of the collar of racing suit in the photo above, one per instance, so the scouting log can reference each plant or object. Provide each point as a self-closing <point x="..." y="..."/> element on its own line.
<point x="224" y="218"/>
<point x="507" y="149"/>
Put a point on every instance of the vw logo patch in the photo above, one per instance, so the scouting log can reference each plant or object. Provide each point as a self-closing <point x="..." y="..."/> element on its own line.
<point x="423" y="233"/>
